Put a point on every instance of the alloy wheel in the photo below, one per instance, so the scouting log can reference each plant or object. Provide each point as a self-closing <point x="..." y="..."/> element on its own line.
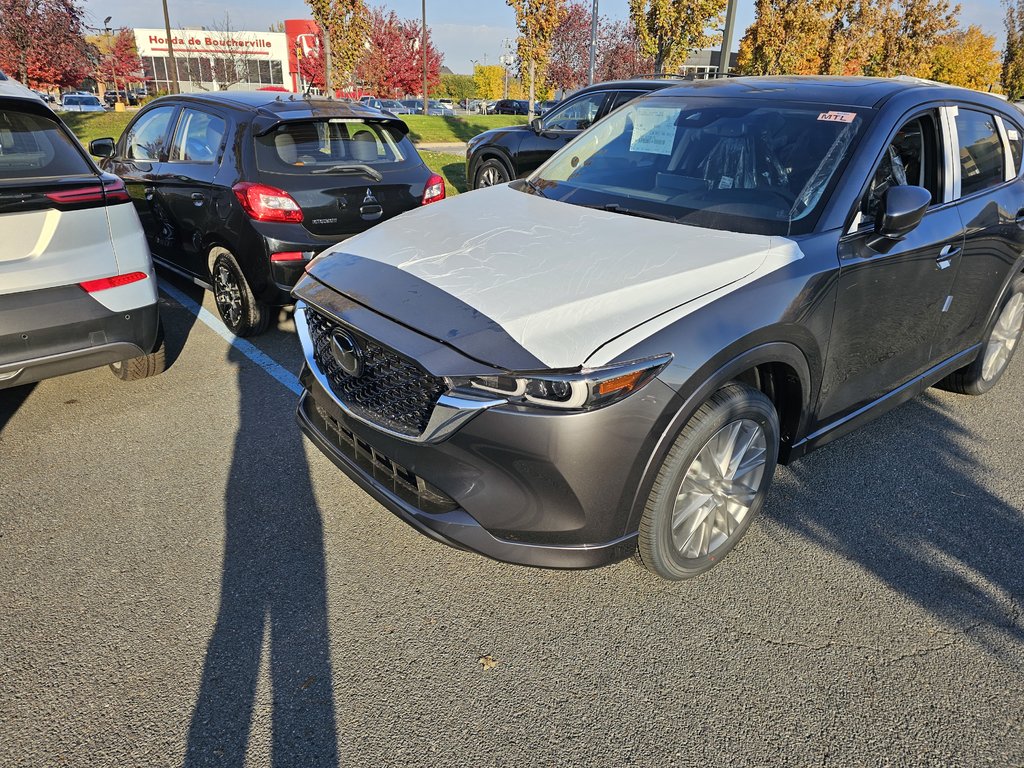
<point x="719" y="488"/>
<point x="1004" y="338"/>
<point x="490" y="176"/>
<point x="228" y="294"/>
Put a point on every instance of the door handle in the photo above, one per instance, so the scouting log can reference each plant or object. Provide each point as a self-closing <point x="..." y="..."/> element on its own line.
<point x="149" y="192"/>
<point x="198" y="198"/>
<point x="948" y="252"/>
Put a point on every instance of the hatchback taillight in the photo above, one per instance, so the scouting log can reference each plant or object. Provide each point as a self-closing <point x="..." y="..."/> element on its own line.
<point x="434" y="190"/>
<point x="266" y="203"/>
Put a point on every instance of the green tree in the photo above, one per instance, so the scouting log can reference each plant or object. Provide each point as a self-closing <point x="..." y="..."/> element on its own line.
<point x="458" y="87"/>
<point x="668" y="30"/>
<point x="1013" y="51"/>
<point x="536" y="21"/>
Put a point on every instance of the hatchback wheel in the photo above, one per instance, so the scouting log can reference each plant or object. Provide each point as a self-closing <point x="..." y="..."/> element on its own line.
<point x="997" y="351"/>
<point x="146" y="365"/>
<point x="238" y="307"/>
<point x="489" y="174"/>
<point x="711" y="485"/>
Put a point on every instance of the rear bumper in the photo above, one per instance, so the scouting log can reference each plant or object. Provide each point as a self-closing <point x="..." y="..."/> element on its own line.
<point x="63" y="330"/>
<point x="287" y="238"/>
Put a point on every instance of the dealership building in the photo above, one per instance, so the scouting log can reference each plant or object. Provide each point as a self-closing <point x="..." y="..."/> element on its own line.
<point x="212" y="60"/>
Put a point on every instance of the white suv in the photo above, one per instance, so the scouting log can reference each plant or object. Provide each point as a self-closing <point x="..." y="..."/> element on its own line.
<point x="77" y="287"/>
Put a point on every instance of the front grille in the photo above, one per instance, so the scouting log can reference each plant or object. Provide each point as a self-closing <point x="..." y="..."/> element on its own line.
<point x="391" y="391"/>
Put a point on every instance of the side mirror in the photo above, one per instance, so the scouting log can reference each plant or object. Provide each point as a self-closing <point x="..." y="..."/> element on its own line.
<point x="101" y="147"/>
<point x="901" y="211"/>
<point x="537" y="125"/>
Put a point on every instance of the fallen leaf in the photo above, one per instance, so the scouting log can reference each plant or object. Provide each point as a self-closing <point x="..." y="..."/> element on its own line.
<point x="487" y="662"/>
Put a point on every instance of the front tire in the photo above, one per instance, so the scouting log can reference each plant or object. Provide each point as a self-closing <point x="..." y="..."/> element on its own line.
<point x="236" y="303"/>
<point x="997" y="351"/>
<point x="711" y="485"/>
<point x="490" y="173"/>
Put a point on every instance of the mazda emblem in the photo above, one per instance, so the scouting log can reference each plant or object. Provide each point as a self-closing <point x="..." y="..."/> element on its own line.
<point x="347" y="353"/>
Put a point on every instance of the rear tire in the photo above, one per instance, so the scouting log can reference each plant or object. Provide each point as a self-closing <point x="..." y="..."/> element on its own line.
<point x="997" y="351"/>
<point x="236" y="303"/>
<point x="144" y="366"/>
<point x="711" y="485"/>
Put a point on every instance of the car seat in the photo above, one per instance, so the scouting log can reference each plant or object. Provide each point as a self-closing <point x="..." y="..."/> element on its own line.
<point x="363" y="146"/>
<point x="286" y="149"/>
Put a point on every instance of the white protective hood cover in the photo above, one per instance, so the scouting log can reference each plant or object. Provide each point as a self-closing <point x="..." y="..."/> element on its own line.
<point x="564" y="280"/>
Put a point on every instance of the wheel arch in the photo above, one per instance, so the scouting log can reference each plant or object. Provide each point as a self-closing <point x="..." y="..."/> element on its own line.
<point x="490" y="153"/>
<point x="779" y="369"/>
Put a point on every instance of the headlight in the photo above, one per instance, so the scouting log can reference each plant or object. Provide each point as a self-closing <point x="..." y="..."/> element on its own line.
<point x="580" y="391"/>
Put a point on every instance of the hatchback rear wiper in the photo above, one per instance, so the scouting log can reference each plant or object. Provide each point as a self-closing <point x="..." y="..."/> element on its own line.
<point x="354" y="168"/>
<point x="616" y="208"/>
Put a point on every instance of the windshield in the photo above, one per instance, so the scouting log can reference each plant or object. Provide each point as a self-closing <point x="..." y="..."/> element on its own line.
<point x="328" y="146"/>
<point x="737" y="165"/>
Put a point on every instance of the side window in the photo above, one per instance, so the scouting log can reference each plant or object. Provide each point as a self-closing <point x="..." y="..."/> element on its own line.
<point x="577" y="115"/>
<point x="1013" y="135"/>
<point x="912" y="158"/>
<point x="982" y="164"/>
<point x="623" y="97"/>
<point x="145" y="140"/>
<point x="197" y="137"/>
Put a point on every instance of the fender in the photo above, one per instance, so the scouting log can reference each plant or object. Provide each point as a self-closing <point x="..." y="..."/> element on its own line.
<point x="487" y="153"/>
<point x="686" y="406"/>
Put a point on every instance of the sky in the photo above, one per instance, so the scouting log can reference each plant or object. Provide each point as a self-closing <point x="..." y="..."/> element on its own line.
<point x="464" y="30"/>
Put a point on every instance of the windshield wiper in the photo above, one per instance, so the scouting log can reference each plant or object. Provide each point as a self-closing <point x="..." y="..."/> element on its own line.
<point x="354" y="168"/>
<point x="616" y="208"/>
<point x="534" y="188"/>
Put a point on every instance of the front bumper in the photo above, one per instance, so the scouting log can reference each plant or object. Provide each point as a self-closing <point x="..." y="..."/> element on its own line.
<point x="55" y="331"/>
<point x="521" y="485"/>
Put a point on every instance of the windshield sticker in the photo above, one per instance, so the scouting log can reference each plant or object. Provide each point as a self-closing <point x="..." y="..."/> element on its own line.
<point x="654" y="131"/>
<point x="1012" y="135"/>
<point x="725" y="182"/>
<point x="837" y="117"/>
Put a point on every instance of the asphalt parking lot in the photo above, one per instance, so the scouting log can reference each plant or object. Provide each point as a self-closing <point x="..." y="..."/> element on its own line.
<point x="184" y="580"/>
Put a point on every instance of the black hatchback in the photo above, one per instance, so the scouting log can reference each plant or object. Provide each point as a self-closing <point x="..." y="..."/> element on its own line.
<point x="238" y="191"/>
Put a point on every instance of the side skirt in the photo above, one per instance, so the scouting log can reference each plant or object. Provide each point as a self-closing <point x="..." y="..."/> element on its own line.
<point x="884" y="404"/>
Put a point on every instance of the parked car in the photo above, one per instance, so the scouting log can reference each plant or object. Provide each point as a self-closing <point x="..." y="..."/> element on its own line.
<point x="238" y="191"/>
<point x="611" y="356"/>
<point x="415" y="106"/>
<point x="77" y="287"/>
<point x="393" y="106"/>
<point x="502" y="154"/>
<point x="126" y="97"/>
<point x="511" y="107"/>
<point x="77" y="102"/>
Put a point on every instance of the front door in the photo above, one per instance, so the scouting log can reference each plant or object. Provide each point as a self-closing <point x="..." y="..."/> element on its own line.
<point x="558" y="128"/>
<point x="889" y="305"/>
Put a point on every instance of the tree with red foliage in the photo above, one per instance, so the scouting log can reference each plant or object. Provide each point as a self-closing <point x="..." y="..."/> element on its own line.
<point x="312" y="67"/>
<point x="393" y="64"/>
<point x="618" y="55"/>
<point x="122" y="62"/>
<point x="41" y="42"/>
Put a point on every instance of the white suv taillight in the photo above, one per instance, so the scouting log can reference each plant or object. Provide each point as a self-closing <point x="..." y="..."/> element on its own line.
<point x="265" y="203"/>
<point x="434" y="190"/>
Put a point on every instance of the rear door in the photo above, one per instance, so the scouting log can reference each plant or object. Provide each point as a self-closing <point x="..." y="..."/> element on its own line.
<point x="186" y="187"/>
<point x="990" y="199"/>
<point x="345" y="174"/>
<point x="140" y="158"/>
<point x="53" y="229"/>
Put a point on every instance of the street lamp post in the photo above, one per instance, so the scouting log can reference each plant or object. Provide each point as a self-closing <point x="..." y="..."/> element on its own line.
<point x="172" y="75"/>
<point x="593" y="45"/>
<point x="726" y="52"/>
<point x="423" y="53"/>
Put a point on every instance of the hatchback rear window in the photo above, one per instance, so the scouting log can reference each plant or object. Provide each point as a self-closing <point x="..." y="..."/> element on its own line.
<point x="33" y="146"/>
<point x="325" y="146"/>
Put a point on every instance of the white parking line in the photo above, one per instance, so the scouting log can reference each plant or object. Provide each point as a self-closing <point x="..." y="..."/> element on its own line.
<point x="247" y="348"/>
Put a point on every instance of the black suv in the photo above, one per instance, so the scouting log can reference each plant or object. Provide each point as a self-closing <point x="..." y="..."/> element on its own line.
<point x="238" y="191"/>
<point x="503" y="154"/>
